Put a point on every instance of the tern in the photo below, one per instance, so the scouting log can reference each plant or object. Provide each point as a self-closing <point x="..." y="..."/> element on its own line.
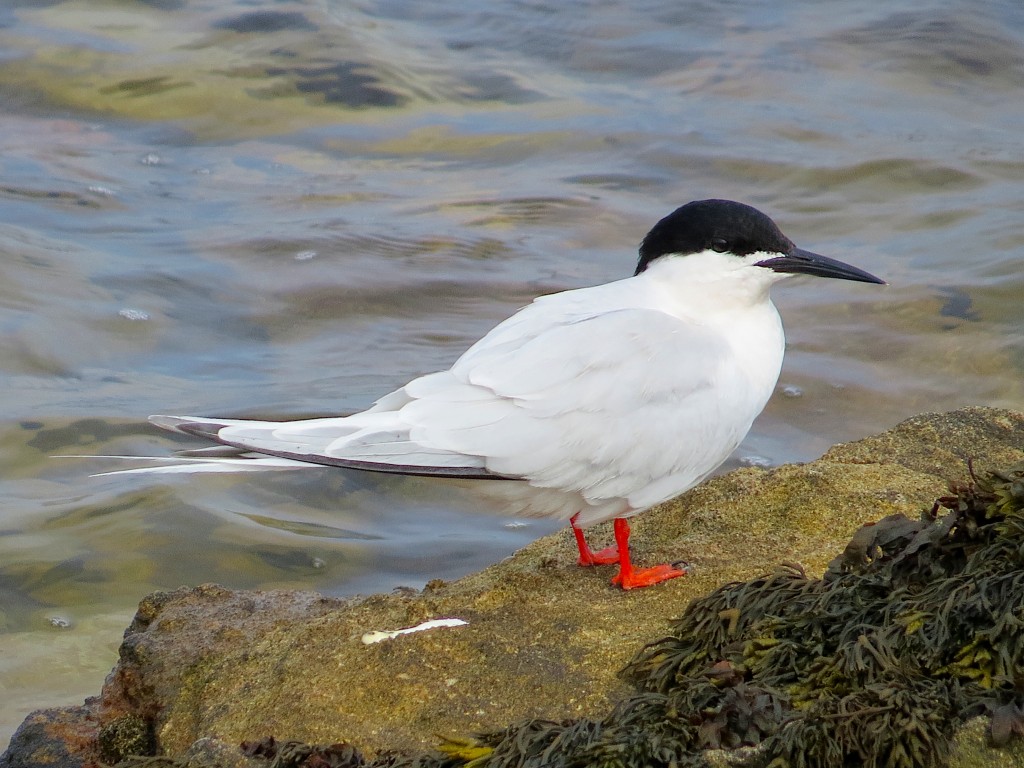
<point x="587" y="405"/>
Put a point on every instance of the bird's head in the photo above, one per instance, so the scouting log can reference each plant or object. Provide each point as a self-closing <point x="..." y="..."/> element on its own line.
<point x="740" y="232"/>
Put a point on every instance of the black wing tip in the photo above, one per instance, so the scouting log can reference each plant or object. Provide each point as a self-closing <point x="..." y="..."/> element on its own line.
<point x="187" y="425"/>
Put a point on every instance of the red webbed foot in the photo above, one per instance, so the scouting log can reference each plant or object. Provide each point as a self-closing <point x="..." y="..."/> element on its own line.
<point x="606" y="556"/>
<point x="645" y="577"/>
<point x="628" y="577"/>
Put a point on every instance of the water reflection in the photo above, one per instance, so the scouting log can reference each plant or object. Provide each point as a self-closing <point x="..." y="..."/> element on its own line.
<point x="288" y="211"/>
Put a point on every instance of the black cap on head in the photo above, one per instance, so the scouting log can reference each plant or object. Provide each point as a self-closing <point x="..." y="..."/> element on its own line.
<point x="718" y="225"/>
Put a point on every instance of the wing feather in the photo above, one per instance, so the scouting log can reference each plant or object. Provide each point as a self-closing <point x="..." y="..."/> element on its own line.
<point x="605" y="419"/>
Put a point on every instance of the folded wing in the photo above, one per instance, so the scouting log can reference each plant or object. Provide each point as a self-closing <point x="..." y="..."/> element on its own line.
<point x="618" y="405"/>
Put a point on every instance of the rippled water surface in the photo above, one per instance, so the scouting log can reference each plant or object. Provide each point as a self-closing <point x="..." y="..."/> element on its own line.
<point x="286" y="209"/>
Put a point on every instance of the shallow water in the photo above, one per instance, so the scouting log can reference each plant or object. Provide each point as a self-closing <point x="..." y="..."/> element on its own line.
<point x="289" y="209"/>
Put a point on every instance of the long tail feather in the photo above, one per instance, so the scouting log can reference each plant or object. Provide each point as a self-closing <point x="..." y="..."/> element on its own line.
<point x="167" y="465"/>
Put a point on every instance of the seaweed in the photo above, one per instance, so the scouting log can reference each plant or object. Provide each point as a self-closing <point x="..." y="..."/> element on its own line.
<point x="295" y="754"/>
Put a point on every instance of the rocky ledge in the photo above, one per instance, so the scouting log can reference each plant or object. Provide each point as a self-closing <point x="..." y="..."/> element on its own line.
<point x="544" y="643"/>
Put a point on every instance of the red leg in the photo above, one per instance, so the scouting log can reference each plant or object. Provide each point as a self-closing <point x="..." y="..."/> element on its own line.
<point x="628" y="578"/>
<point x="604" y="557"/>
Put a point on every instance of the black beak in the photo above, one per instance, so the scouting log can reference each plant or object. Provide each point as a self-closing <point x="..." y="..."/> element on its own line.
<point x="804" y="262"/>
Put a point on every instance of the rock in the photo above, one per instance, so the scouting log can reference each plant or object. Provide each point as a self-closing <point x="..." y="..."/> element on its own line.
<point x="125" y="736"/>
<point x="64" y="737"/>
<point x="544" y="639"/>
<point x="973" y="750"/>
<point x="210" y="751"/>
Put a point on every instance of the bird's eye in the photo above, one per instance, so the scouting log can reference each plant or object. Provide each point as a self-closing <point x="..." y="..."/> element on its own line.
<point x="719" y="245"/>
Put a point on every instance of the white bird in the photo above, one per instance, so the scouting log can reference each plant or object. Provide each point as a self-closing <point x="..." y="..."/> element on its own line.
<point x="587" y="405"/>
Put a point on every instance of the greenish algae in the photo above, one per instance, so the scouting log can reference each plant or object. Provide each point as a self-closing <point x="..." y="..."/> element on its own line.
<point x="221" y="75"/>
<point x="144" y="63"/>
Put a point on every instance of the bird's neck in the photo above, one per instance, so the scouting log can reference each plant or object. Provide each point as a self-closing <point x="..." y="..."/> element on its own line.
<point x="707" y="285"/>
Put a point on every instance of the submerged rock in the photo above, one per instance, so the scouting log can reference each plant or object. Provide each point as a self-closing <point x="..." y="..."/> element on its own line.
<point x="545" y="641"/>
